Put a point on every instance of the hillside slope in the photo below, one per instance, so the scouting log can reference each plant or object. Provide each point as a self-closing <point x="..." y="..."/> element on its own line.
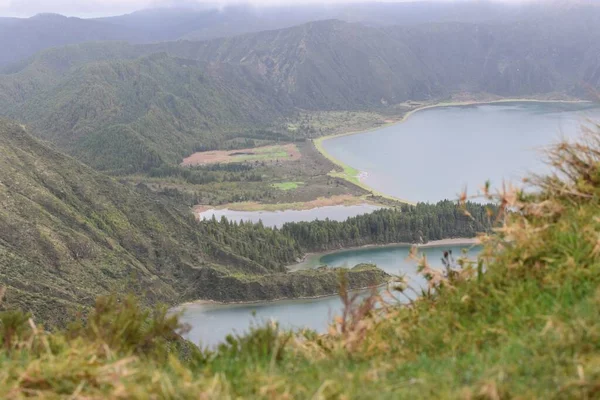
<point x="69" y="234"/>
<point x="337" y="65"/>
<point x="131" y="115"/>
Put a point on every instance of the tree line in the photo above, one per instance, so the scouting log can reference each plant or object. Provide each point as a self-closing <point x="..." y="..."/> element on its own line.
<point x="405" y="224"/>
<point x="202" y="175"/>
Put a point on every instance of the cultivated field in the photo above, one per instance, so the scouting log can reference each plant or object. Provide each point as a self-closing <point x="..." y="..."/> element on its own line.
<point x="287" y="152"/>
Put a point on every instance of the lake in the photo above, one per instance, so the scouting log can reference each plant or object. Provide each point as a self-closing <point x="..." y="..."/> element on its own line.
<point x="211" y="323"/>
<point x="437" y="152"/>
<point x="429" y="157"/>
<point x="278" y="218"/>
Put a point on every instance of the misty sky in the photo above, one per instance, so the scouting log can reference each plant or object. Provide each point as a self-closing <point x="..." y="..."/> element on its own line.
<point x="91" y="8"/>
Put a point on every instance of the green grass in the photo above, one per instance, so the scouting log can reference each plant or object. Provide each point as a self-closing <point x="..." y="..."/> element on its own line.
<point x="287" y="185"/>
<point x="521" y="322"/>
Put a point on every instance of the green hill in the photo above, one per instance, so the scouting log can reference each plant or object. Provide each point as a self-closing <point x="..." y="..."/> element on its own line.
<point x="323" y="65"/>
<point x="130" y="115"/>
<point x="69" y="234"/>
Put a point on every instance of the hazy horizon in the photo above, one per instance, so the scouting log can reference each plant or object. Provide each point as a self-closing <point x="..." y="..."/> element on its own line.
<point x="100" y="8"/>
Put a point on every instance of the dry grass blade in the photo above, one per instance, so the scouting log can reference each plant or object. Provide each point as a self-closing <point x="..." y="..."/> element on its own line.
<point x="357" y="315"/>
<point x="575" y="165"/>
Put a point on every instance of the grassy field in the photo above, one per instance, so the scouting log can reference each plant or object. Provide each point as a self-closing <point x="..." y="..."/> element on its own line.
<point x="309" y="173"/>
<point x="284" y="152"/>
<point x="269" y="153"/>
<point x="287" y="185"/>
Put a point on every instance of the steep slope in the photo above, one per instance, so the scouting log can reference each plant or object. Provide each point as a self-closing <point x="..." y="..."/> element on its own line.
<point x="324" y="65"/>
<point x="69" y="234"/>
<point x="336" y="65"/>
<point x="130" y="115"/>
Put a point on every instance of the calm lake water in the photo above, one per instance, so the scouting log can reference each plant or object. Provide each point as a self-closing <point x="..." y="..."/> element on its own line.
<point x="278" y="218"/>
<point x="211" y="323"/>
<point x="437" y="152"/>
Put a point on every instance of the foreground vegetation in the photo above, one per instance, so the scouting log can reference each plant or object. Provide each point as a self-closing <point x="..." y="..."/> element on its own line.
<point x="521" y="322"/>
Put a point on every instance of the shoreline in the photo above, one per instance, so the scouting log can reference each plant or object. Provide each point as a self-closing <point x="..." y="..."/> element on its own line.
<point x="433" y="243"/>
<point x="352" y="175"/>
<point x="182" y="306"/>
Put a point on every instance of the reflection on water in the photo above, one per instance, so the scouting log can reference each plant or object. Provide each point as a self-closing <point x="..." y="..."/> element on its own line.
<point x="211" y="323"/>
<point x="278" y="218"/>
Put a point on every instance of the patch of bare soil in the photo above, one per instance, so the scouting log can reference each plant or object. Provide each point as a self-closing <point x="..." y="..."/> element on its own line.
<point x="265" y="153"/>
<point x="337" y="200"/>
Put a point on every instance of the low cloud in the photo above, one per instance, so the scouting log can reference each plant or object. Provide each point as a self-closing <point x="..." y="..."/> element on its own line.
<point x="70" y="7"/>
<point x="89" y="8"/>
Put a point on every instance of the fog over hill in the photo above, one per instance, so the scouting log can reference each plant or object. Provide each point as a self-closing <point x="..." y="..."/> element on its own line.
<point x="22" y="37"/>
